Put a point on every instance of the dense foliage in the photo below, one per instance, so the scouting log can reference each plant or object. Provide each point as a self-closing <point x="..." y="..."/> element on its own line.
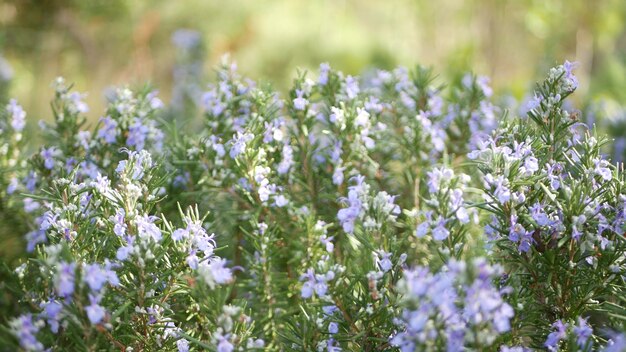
<point x="358" y="213"/>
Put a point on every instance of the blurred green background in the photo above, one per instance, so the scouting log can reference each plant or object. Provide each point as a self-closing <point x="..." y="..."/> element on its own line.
<point x="100" y="43"/>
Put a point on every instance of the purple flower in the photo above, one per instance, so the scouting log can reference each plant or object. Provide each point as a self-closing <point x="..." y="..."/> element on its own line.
<point x="182" y="345"/>
<point x="338" y="175"/>
<point x="537" y="213"/>
<point x="94" y="277"/>
<point x="300" y="103"/>
<point x="26" y="332"/>
<point x="30" y="205"/>
<point x="534" y="102"/>
<point x="384" y="262"/>
<point x="125" y="251"/>
<point x="48" y="156"/>
<point x="525" y="242"/>
<point x="238" y="144"/>
<point x="307" y="289"/>
<point x="437" y="177"/>
<point x="180" y="234"/>
<point x="617" y="343"/>
<point x="602" y="169"/>
<point x="13" y="184"/>
<point x="449" y="301"/>
<point x="34" y="238"/>
<point x="137" y="134"/>
<point x="335" y="154"/>
<point x="31" y="181"/>
<point x="52" y="311"/>
<point x="139" y="162"/>
<point x="225" y="346"/>
<point x="315" y="283"/>
<point x="95" y="312"/>
<point x="333" y="328"/>
<point x="440" y="232"/>
<point x="502" y="318"/>
<point x="215" y="272"/>
<point x="119" y="225"/>
<point x="147" y="229"/>
<point x="422" y="229"/>
<point x="18" y="115"/>
<point x="502" y="192"/>
<point x="65" y="279"/>
<point x="281" y="201"/>
<point x="221" y="274"/>
<point x="552" y="342"/>
<point x="155" y="102"/>
<point x="108" y="131"/>
<point x="582" y="331"/>
<point x="287" y="160"/>
<point x="89" y="169"/>
<point x="83" y="138"/>
<point x="329" y="310"/>
<point x="348" y="216"/>
<point x="483" y="83"/>
<point x="192" y="260"/>
<point x="323" y="78"/>
<point x="531" y="165"/>
<point x="516" y="230"/>
<point x="76" y="105"/>
<point x="569" y="77"/>
<point x="352" y="87"/>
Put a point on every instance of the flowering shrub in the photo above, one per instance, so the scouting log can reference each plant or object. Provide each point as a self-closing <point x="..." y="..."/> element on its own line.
<point x="356" y="213"/>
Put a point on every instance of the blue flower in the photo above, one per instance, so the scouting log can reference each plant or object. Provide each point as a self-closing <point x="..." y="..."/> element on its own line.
<point x="94" y="277"/>
<point x="95" y="312"/>
<point x="48" y="156"/>
<point x="287" y="160"/>
<point x="537" y="213"/>
<point x="119" y="224"/>
<point x="238" y="144"/>
<point x="125" y="251"/>
<point x="440" y="232"/>
<point x="108" y="131"/>
<point x="137" y="134"/>
<point x="75" y="103"/>
<point x="552" y="342"/>
<point x="569" y="77"/>
<point x="182" y="345"/>
<point x="617" y="343"/>
<point x="324" y="70"/>
<point x="52" y="312"/>
<point x="352" y="87"/>
<point x="147" y="229"/>
<point x="224" y="345"/>
<point x="26" y="332"/>
<point x="338" y="175"/>
<point x="65" y="279"/>
<point x="582" y="331"/>
<point x="17" y="114"/>
<point x="300" y="103"/>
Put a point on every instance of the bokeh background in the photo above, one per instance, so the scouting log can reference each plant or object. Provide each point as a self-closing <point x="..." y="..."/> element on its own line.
<point x="100" y="43"/>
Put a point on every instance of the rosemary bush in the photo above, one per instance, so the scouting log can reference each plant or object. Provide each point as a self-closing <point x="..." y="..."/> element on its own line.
<point x="383" y="212"/>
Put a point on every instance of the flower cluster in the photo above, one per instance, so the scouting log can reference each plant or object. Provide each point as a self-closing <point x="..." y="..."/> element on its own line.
<point x="459" y="305"/>
<point x="386" y="211"/>
<point x="446" y="209"/>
